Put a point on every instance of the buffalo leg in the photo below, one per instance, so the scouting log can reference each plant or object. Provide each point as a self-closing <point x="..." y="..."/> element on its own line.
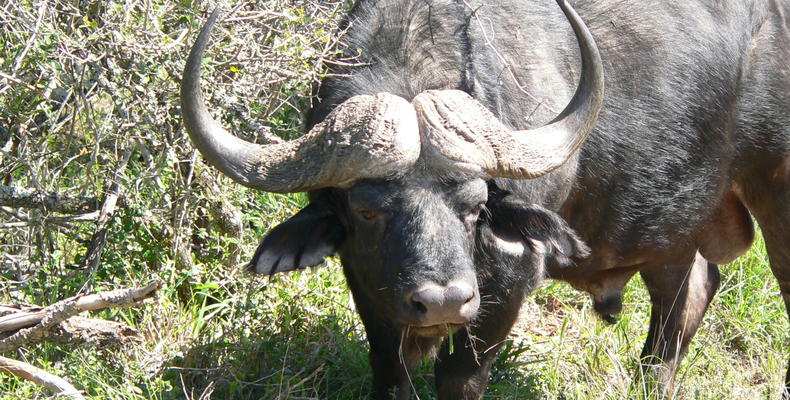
<point x="392" y="357"/>
<point x="393" y="360"/>
<point x="776" y="244"/>
<point x="464" y="374"/>
<point x="771" y="209"/>
<point x="390" y="375"/>
<point x="680" y="295"/>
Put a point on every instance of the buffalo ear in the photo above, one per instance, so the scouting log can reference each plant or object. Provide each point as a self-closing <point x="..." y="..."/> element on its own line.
<point x="304" y="240"/>
<point x="543" y="230"/>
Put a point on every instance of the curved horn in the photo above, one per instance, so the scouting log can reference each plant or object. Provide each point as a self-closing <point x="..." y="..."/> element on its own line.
<point x="365" y="137"/>
<point x="461" y="131"/>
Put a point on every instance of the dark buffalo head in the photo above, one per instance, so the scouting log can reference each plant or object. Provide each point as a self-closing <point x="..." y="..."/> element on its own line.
<point x="404" y="191"/>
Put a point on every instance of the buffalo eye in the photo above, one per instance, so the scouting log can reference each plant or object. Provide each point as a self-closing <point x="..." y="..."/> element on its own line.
<point x="471" y="217"/>
<point x="367" y="215"/>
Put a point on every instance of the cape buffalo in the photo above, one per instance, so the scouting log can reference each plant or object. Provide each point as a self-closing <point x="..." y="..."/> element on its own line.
<point x="460" y="162"/>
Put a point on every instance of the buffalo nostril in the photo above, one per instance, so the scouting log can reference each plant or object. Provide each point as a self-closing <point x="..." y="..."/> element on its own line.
<point x="459" y="294"/>
<point x="427" y="298"/>
<point x="433" y="304"/>
<point x="421" y="309"/>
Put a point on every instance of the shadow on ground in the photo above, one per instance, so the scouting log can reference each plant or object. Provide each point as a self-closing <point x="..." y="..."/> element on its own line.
<point x="325" y="361"/>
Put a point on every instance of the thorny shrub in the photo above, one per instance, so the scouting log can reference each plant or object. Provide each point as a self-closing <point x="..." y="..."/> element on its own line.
<point x="89" y="98"/>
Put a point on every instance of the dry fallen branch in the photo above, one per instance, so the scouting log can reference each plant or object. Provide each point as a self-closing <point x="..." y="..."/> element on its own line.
<point x="23" y="324"/>
<point x="35" y="326"/>
<point x="40" y="377"/>
<point x="75" y="330"/>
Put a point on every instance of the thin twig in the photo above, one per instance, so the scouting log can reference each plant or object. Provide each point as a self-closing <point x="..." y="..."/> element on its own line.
<point x="93" y="253"/>
<point x="21" y="57"/>
<point x="23" y="83"/>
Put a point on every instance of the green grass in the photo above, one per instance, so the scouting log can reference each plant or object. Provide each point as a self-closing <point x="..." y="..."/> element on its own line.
<point x="296" y="336"/>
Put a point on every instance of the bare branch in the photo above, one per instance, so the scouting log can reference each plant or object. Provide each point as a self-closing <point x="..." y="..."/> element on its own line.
<point x="40" y="377"/>
<point x="21" y="82"/>
<point x="93" y="253"/>
<point x="11" y="196"/>
<point x="49" y="317"/>
<point x="79" y="330"/>
<point x="31" y="40"/>
<point x="19" y="320"/>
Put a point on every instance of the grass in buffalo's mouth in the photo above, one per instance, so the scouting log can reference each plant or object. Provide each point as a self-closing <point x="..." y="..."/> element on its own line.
<point x="451" y="346"/>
